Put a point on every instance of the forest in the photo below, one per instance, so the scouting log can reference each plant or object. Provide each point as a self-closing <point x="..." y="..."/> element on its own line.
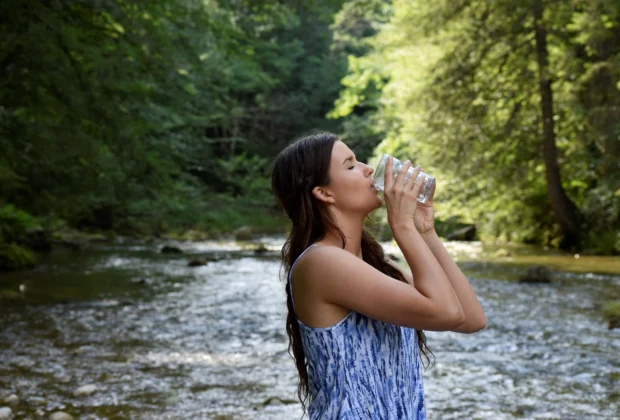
<point x="162" y="118"/>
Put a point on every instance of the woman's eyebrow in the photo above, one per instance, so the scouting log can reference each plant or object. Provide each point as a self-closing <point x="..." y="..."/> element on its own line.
<point x="349" y="158"/>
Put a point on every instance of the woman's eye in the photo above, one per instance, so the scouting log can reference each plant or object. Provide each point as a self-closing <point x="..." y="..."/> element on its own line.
<point x="352" y="167"/>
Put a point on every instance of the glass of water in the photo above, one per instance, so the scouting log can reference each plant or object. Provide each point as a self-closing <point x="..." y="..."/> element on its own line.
<point x="428" y="182"/>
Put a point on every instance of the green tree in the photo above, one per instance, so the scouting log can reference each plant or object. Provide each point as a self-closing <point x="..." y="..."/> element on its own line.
<point x="489" y="95"/>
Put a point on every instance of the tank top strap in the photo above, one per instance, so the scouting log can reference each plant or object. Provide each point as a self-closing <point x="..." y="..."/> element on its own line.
<point x="290" y="273"/>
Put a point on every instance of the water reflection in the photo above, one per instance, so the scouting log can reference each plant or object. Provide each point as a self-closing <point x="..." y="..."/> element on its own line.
<point x="161" y="339"/>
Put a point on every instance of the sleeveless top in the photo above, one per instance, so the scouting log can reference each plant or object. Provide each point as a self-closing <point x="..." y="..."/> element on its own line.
<point x="361" y="368"/>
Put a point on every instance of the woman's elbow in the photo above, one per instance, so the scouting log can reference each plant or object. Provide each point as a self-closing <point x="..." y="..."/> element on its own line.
<point x="457" y="318"/>
<point x="472" y="326"/>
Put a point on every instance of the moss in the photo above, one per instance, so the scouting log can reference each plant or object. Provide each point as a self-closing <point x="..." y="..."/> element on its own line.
<point x="611" y="309"/>
<point x="15" y="257"/>
<point x="611" y="312"/>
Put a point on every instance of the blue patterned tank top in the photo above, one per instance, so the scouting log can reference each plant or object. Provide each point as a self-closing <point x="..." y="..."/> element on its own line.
<point x="361" y="368"/>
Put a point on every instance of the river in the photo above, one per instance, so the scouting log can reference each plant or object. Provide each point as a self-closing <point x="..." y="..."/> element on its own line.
<point x="160" y="339"/>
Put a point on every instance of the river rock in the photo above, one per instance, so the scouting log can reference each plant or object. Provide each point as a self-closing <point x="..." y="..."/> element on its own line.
<point x="85" y="390"/>
<point x="277" y="401"/>
<point x="502" y="253"/>
<point x="197" y="263"/>
<point x="261" y="249"/>
<point x="6" y="413"/>
<point x="468" y="233"/>
<point x="169" y="249"/>
<point x="11" y="400"/>
<point x="38" y="239"/>
<point x="536" y="274"/>
<point x="244" y="233"/>
<point x="61" y="415"/>
<point x="611" y="312"/>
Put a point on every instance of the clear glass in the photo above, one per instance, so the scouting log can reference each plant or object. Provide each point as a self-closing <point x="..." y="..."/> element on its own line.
<point x="427" y="180"/>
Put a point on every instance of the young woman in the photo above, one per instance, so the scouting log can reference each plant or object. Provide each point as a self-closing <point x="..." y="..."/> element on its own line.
<point x="355" y="318"/>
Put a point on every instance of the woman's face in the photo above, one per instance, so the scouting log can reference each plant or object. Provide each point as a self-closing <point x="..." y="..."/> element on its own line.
<point x="351" y="184"/>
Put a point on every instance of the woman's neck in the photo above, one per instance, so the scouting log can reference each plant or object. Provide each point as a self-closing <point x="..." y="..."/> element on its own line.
<point x="352" y="228"/>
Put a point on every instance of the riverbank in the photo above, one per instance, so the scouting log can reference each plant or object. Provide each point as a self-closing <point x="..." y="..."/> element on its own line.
<point x="25" y="238"/>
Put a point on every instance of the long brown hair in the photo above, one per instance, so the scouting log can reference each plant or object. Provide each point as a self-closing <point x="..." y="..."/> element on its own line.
<point x="300" y="167"/>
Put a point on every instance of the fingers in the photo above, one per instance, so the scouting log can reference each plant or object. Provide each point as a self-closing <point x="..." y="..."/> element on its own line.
<point x="411" y="181"/>
<point x="432" y="193"/>
<point x="417" y="187"/>
<point x="400" y="178"/>
<point x="388" y="174"/>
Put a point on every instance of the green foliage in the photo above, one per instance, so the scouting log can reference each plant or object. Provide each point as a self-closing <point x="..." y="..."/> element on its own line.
<point x="16" y="224"/>
<point x="15" y="257"/>
<point x="247" y="176"/>
<point x="135" y="118"/>
<point x="164" y="116"/>
<point x="458" y="92"/>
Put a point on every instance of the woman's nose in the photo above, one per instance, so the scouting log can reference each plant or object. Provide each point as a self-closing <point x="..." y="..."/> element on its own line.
<point x="369" y="170"/>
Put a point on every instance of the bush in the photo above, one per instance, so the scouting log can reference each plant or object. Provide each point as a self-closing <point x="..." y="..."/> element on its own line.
<point x="15" y="257"/>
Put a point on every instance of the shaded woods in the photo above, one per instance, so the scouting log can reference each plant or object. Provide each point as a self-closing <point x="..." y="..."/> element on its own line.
<point x="162" y="118"/>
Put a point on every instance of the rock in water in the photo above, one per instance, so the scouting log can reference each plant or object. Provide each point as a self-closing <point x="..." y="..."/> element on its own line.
<point x="196" y="263"/>
<point x="536" y="274"/>
<point x="244" y="233"/>
<point x="261" y="249"/>
<point x="61" y="415"/>
<point x="168" y="249"/>
<point x="85" y="390"/>
<point x="611" y="312"/>
<point x="6" y="413"/>
<point x="12" y="400"/>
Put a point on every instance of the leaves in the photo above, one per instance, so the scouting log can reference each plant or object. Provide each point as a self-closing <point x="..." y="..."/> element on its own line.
<point x="462" y="98"/>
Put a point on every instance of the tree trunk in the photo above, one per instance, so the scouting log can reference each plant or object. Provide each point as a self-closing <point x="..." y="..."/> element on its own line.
<point x="566" y="213"/>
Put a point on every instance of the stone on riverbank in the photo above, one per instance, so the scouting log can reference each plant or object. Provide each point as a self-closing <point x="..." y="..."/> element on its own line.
<point x="85" y="390"/>
<point x="611" y="312"/>
<point x="536" y="274"/>
<point x="61" y="415"/>
<point x="168" y="249"/>
<point x="244" y="233"/>
<point x="11" y="400"/>
<point x="468" y="233"/>
<point x="6" y="413"/>
<point x="502" y="253"/>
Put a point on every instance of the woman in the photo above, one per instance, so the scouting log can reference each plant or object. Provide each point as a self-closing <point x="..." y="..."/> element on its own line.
<point x="355" y="318"/>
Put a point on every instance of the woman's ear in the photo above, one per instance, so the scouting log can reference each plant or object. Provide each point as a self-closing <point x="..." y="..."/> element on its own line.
<point x="323" y="195"/>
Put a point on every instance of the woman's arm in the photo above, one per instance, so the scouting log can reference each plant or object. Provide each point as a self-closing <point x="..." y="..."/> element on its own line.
<point x="475" y="320"/>
<point x="334" y="276"/>
<point x="424" y="220"/>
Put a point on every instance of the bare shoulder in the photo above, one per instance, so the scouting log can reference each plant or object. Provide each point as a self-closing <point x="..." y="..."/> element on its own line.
<point x="323" y="259"/>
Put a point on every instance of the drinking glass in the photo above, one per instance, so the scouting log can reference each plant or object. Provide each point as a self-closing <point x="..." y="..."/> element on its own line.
<point x="427" y="181"/>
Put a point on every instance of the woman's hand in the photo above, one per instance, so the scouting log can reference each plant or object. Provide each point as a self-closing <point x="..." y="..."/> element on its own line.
<point x="400" y="196"/>
<point x="424" y="217"/>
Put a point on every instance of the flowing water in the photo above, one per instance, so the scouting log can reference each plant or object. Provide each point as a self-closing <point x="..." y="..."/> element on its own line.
<point x="160" y="339"/>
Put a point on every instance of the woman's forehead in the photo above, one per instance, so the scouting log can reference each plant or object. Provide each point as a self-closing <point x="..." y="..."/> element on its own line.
<point x="341" y="151"/>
